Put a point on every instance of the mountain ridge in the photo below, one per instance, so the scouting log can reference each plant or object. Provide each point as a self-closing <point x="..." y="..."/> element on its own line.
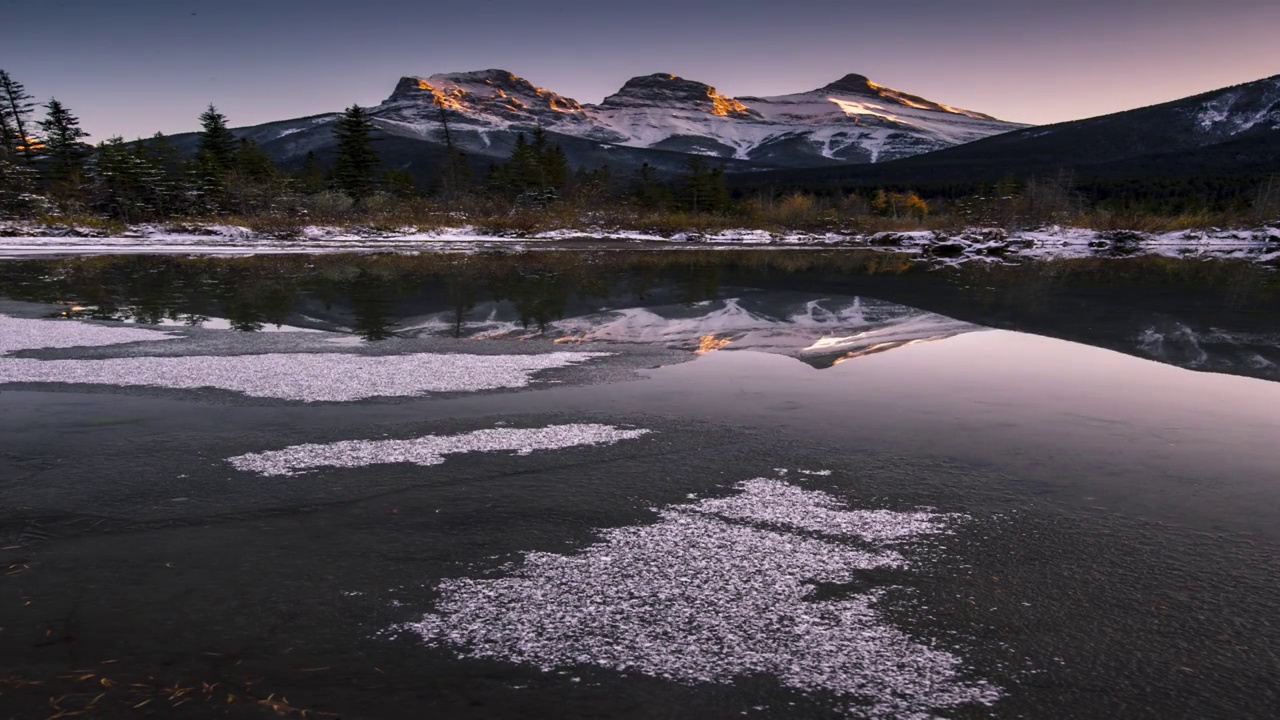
<point x="659" y="119"/>
<point x="849" y="120"/>
<point x="1230" y="130"/>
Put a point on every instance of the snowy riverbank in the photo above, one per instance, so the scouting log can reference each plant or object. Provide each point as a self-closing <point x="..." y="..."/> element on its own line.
<point x="979" y="244"/>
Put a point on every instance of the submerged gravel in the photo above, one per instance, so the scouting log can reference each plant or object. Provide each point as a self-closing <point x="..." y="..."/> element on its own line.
<point x="430" y="449"/>
<point x="716" y="590"/>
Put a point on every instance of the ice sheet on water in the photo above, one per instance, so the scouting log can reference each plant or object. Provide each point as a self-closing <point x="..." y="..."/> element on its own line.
<point x="716" y="590"/>
<point x="31" y="334"/>
<point x="429" y="449"/>
<point x="308" y="377"/>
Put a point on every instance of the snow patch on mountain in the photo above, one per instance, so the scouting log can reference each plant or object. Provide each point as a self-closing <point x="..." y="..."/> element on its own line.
<point x="851" y="120"/>
<point x="1241" y="109"/>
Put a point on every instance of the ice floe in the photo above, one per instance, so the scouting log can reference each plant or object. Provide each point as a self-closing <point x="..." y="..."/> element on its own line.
<point x="430" y="449"/>
<point x="308" y="377"/>
<point x="31" y="334"/>
<point x="718" y="590"/>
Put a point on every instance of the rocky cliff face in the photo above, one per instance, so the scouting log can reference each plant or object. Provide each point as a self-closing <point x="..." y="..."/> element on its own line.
<point x="485" y="98"/>
<point x="663" y="90"/>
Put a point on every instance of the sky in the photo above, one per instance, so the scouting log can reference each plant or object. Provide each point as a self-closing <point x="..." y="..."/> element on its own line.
<point x="134" y="67"/>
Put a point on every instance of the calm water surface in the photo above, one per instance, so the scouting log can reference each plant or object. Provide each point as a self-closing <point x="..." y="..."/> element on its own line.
<point x="1099" y="439"/>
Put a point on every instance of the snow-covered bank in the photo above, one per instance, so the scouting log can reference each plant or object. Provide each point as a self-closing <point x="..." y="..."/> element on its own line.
<point x="1260" y="244"/>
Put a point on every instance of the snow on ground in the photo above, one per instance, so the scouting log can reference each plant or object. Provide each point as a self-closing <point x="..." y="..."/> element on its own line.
<point x="717" y="590"/>
<point x="306" y="377"/>
<point x="1260" y="244"/>
<point x="429" y="449"/>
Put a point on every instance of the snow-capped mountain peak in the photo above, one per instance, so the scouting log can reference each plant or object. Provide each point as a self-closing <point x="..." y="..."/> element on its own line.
<point x="496" y="92"/>
<point x="851" y="120"/>
<point x="664" y="90"/>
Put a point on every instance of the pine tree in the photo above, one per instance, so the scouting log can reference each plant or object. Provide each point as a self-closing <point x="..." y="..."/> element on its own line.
<point x="705" y="190"/>
<point x="17" y="188"/>
<point x="555" y="168"/>
<point x="216" y="148"/>
<point x="214" y="161"/>
<point x="356" y="162"/>
<point x="169" y="192"/>
<point x="62" y="139"/>
<point x="252" y="163"/>
<point x="648" y="192"/>
<point x="400" y="183"/>
<point x="17" y="104"/>
<point x="252" y="183"/>
<point x="121" y="181"/>
<point x="312" y="178"/>
<point x="8" y="135"/>
<point x="522" y="170"/>
<point x="163" y="153"/>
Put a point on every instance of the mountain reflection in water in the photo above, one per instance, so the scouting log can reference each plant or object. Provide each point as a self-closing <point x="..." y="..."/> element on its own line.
<point x="821" y="307"/>
<point x="821" y="331"/>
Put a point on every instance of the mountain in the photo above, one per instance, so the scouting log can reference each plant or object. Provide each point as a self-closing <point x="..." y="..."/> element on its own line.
<point x="819" y="331"/>
<point x="852" y="120"/>
<point x="1233" y="130"/>
<point x="657" y="119"/>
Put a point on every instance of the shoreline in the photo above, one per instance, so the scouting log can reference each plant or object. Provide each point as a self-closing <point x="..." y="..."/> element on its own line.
<point x="1257" y="245"/>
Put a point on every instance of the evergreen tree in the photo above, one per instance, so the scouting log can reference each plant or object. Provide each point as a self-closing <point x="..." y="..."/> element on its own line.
<point x="555" y="168"/>
<point x="169" y="193"/>
<point x="705" y="190"/>
<point x="16" y="106"/>
<point x="216" y="147"/>
<point x="121" y="181"/>
<point x="163" y="153"/>
<point x="401" y="183"/>
<point x="648" y="192"/>
<point x="253" y="183"/>
<point x="252" y="163"/>
<point x="522" y="168"/>
<point x="215" y="159"/>
<point x="63" y="145"/>
<point x="356" y="162"/>
<point x="537" y="170"/>
<point x="539" y="149"/>
<point x="17" y="188"/>
<point x="312" y="179"/>
<point x="8" y="135"/>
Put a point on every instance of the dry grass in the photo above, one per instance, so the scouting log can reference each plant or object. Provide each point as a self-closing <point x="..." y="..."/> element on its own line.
<point x="793" y="213"/>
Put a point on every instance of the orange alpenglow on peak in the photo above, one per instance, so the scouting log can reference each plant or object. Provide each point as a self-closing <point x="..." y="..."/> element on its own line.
<point x="723" y="105"/>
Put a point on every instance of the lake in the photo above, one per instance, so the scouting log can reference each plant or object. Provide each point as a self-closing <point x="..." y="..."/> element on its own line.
<point x="681" y="484"/>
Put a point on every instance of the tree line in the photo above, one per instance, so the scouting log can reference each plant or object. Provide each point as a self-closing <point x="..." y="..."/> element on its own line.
<point x="46" y="166"/>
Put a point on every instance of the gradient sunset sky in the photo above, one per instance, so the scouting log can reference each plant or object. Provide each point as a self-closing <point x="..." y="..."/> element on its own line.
<point x="132" y="67"/>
